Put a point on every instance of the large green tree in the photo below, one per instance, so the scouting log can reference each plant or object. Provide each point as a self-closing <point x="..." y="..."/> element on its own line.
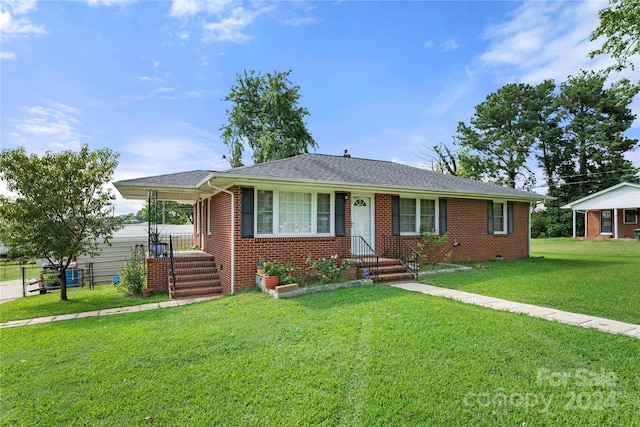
<point x="62" y="207"/>
<point x="266" y="118"/>
<point x="595" y="119"/>
<point x="620" y="26"/>
<point x="503" y="132"/>
<point x="589" y="155"/>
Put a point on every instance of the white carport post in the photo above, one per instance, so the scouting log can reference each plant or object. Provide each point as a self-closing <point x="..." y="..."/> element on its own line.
<point x="615" y="223"/>
<point x="574" y="222"/>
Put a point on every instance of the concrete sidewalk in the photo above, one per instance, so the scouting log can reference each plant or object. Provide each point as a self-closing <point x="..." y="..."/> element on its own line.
<point x="105" y="312"/>
<point x="607" y="325"/>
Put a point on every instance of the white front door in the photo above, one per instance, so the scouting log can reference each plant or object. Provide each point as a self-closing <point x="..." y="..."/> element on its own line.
<point x="361" y="219"/>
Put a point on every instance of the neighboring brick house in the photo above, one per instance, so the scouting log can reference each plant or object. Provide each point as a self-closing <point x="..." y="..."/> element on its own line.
<point x="318" y="204"/>
<point x="610" y="213"/>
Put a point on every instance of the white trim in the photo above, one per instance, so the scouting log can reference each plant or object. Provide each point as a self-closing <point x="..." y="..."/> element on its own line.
<point x="505" y="215"/>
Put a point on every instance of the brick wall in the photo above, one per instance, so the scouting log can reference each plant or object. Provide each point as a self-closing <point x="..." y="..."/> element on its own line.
<point x="158" y="274"/>
<point x="467" y="224"/>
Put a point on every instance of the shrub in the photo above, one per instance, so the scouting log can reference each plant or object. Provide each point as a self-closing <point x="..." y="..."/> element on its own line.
<point x="133" y="278"/>
<point x="433" y="246"/>
<point x="326" y="270"/>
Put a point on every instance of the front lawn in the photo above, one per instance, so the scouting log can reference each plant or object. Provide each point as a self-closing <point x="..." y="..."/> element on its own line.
<point x="600" y="278"/>
<point x="80" y="299"/>
<point x="357" y="357"/>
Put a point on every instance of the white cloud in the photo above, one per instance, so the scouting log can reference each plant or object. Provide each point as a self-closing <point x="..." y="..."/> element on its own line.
<point x="13" y="25"/>
<point x="229" y="22"/>
<point x="428" y="44"/>
<point x="449" y="45"/>
<point x="156" y="64"/>
<point x="45" y="126"/>
<point x="8" y="55"/>
<point x="299" y="21"/>
<point x="545" y="40"/>
<point x="108" y="3"/>
<point x="231" y="28"/>
<point x="186" y="8"/>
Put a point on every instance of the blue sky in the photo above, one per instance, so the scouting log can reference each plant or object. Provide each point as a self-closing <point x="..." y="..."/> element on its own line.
<point x="385" y="80"/>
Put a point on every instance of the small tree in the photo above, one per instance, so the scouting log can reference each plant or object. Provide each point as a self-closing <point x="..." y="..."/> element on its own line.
<point x="62" y="207"/>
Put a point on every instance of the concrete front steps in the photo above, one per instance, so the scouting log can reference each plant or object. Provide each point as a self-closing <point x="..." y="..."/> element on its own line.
<point x="196" y="277"/>
<point x="389" y="270"/>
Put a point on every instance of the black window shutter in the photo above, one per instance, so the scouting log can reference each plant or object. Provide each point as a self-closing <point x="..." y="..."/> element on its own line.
<point x="340" y="214"/>
<point x="490" y="217"/>
<point x="395" y="215"/>
<point x="443" y="216"/>
<point x="510" y="219"/>
<point x="247" y="212"/>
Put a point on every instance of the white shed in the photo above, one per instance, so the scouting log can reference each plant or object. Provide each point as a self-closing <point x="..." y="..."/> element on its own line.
<point x="109" y="263"/>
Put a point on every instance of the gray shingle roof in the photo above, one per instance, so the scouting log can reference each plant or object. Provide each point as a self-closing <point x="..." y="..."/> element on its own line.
<point x="366" y="172"/>
<point x="188" y="179"/>
<point x="337" y="170"/>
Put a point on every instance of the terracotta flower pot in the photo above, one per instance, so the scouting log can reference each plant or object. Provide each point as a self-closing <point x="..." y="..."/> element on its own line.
<point x="147" y="292"/>
<point x="270" y="282"/>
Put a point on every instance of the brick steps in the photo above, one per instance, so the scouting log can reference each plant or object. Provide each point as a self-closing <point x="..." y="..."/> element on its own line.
<point x="389" y="270"/>
<point x="196" y="277"/>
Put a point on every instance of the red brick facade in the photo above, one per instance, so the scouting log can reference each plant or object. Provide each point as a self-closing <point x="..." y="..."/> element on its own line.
<point x="624" y="230"/>
<point x="466" y="225"/>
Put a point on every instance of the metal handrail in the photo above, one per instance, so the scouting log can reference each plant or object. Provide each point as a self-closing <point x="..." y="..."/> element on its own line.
<point x="173" y="265"/>
<point x="361" y="251"/>
<point x="400" y="249"/>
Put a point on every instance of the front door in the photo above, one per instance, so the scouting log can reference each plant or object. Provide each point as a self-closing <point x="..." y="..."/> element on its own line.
<point x="361" y="221"/>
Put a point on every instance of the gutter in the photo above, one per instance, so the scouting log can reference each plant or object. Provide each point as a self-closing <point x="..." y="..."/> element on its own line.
<point x="233" y="234"/>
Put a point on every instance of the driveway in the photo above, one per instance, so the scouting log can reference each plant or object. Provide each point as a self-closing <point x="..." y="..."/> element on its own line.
<point x="11" y="289"/>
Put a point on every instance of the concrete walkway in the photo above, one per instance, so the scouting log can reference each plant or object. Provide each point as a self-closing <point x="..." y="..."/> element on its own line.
<point x="105" y="312"/>
<point x="612" y="326"/>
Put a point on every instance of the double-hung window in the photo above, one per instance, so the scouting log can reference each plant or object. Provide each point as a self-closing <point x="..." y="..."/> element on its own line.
<point x="417" y="215"/>
<point x="499" y="217"/>
<point x="630" y="216"/>
<point x="293" y="213"/>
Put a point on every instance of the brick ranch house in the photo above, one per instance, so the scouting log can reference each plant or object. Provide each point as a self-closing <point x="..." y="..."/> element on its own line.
<point x="324" y="205"/>
<point x="610" y="213"/>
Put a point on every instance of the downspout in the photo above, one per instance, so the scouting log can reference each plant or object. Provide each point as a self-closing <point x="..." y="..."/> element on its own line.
<point x="233" y="234"/>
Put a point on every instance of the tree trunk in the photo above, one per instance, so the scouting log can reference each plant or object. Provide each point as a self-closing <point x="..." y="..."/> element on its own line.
<point x="63" y="284"/>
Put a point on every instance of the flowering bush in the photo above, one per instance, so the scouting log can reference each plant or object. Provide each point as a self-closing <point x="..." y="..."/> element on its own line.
<point x="326" y="270"/>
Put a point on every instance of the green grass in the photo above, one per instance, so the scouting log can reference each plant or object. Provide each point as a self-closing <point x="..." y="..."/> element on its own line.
<point x="600" y="278"/>
<point x="356" y="357"/>
<point x="11" y="270"/>
<point x="79" y="300"/>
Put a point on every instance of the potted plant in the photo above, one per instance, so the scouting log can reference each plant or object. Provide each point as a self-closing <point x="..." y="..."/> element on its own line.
<point x="156" y="247"/>
<point x="273" y="271"/>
